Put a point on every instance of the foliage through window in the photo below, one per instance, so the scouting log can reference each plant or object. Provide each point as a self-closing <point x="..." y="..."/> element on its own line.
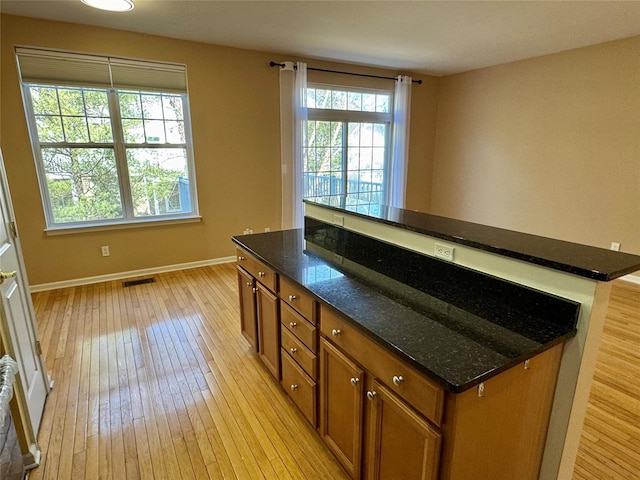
<point x="346" y="146"/>
<point x="110" y="155"/>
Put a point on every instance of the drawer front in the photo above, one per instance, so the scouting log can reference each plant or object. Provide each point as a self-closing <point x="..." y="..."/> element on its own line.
<point x="301" y="354"/>
<point x="298" y="298"/>
<point x="301" y="328"/>
<point x="300" y="388"/>
<point x="424" y="395"/>
<point x="257" y="269"/>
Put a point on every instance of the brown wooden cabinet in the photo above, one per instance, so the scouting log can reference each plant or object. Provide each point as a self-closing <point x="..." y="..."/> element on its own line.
<point x="248" y="319"/>
<point x="268" y="329"/>
<point x="259" y="309"/>
<point x="341" y="406"/>
<point x="401" y="443"/>
<point x="299" y="348"/>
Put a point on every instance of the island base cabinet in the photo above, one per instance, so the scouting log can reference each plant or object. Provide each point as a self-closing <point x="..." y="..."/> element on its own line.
<point x="401" y="444"/>
<point x="341" y="407"/>
<point x="248" y="320"/>
<point x="499" y="433"/>
<point x="268" y="329"/>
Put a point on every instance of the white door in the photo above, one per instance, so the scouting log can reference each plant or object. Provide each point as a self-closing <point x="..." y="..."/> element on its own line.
<point x="19" y="334"/>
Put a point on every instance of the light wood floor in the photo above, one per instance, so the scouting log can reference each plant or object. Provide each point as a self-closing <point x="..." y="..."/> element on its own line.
<point x="610" y="444"/>
<point x="154" y="381"/>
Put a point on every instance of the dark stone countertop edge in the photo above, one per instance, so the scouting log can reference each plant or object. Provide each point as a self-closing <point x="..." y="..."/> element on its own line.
<point x="631" y="263"/>
<point x="396" y="351"/>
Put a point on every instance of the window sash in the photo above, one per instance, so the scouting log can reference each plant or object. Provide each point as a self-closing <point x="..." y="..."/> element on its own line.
<point x="345" y="147"/>
<point x="347" y="117"/>
<point x="122" y="169"/>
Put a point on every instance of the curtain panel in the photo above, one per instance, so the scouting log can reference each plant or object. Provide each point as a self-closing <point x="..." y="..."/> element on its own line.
<point x="293" y="117"/>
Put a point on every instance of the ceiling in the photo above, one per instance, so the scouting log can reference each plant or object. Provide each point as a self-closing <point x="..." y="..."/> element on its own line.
<point x="431" y="37"/>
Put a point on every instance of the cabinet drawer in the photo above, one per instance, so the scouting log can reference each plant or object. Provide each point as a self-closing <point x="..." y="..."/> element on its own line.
<point x="301" y="354"/>
<point x="259" y="270"/>
<point x="298" y="298"/>
<point x="424" y="395"/>
<point x="300" y="388"/>
<point x="299" y="326"/>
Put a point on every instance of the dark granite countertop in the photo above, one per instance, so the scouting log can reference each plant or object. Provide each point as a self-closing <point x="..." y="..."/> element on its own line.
<point x="582" y="260"/>
<point x="457" y="326"/>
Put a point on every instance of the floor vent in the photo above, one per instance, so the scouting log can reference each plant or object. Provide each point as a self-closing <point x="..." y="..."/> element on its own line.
<point x="131" y="283"/>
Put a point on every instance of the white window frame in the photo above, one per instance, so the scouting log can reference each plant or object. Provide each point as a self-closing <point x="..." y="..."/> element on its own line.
<point x="351" y="116"/>
<point x="130" y="68"/>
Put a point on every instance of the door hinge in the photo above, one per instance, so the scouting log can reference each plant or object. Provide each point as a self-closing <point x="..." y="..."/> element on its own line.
<point x="38" y="347"/>
<point x="14" y="229"/>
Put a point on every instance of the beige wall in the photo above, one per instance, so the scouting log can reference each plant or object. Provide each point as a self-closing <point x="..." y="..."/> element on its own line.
<point x="235" y="116"/>
<point x="549" y="146"/>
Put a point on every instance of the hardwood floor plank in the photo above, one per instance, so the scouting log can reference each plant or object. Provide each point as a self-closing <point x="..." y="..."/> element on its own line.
<point x="610" y="443"/>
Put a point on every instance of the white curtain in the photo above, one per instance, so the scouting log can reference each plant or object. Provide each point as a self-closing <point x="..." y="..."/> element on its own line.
<point x="397" y="183"/>
<point x="293" y="117"/>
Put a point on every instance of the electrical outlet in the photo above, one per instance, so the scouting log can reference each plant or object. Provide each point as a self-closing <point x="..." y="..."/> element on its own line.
<point x="248" y="231"/>
<point x="105" y="250"/>
<point x="267" y="229"/>
<point x="615" y="246"/>
<point x="338" y="220"/>
<point x="443" y="251"/>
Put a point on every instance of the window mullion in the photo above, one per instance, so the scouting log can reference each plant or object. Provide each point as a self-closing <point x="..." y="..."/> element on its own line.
<point x="121" y="157"/>
<point x="345" y="157"/>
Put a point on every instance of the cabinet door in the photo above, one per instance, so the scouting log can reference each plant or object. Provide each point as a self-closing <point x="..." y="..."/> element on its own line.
<point x="341" y="402"/>
<point x="402" y="444"/>
<point x="248" y="320"/>
<point x="268" y="329"/>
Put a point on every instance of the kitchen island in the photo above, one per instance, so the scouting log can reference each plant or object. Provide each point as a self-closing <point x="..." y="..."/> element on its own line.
<point x="466" y="332"/>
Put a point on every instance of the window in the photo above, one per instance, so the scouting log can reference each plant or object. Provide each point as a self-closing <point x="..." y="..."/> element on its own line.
<point x="105" y="154"/>
<point x="347" y="142"/>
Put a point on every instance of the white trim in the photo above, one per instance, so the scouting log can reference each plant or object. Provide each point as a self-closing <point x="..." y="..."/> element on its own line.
<point x="631" y="278"/>
<point x="133" y="273"/>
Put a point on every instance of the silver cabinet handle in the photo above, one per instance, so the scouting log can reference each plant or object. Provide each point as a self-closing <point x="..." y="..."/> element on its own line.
<point x="248" y="284"/>
<point x="292" y="298"/>
<point x="293" y="350"/>
<point x="240" y="258"/>
<point x="255" y="290"/>
<point x="355" y="381"/>
<point x="294" y="387"/>
<point x="371" y="395"/>
<point x="261" y="274"/>
<point x="397" y="380"/>
<point x="293" y="324"/>
<point x="335" y="332"/>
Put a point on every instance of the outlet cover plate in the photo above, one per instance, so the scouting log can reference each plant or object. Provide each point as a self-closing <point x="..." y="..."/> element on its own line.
<point x="443" y="251"/>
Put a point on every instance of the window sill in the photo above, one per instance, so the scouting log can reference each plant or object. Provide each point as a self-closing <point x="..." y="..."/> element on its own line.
<point x="68" y="230"/>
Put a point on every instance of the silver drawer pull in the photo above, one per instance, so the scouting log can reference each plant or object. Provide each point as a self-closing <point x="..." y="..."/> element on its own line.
<point x="240" y="258"/>
<point x="293" y="324"/>
<point x="293" y="350"/>
<point x="255" y="290"/>
<point x="355" y="381"/>
<point x="292" y="298"/>
<point x="294" y="387"/>
<point x="397" y="380"/>
<point x="371" y="395"/>
<point x="335" y="332"/>
<point x="261" y="274"/>
<point x="248" y="284"/>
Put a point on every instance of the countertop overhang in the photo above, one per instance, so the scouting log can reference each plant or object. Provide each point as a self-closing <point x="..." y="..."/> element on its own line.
<point x="582" y="260"/>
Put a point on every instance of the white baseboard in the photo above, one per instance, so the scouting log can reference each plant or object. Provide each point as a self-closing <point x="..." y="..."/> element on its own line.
<point x="133" y="273"/>
<point x="631" y="278"/>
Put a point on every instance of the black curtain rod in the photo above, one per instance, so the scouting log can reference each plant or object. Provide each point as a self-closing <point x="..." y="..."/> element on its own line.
<point x="275" y="64"/>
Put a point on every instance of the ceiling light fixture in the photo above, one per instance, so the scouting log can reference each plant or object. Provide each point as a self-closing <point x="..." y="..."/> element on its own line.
<point x="111" y="5"/>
